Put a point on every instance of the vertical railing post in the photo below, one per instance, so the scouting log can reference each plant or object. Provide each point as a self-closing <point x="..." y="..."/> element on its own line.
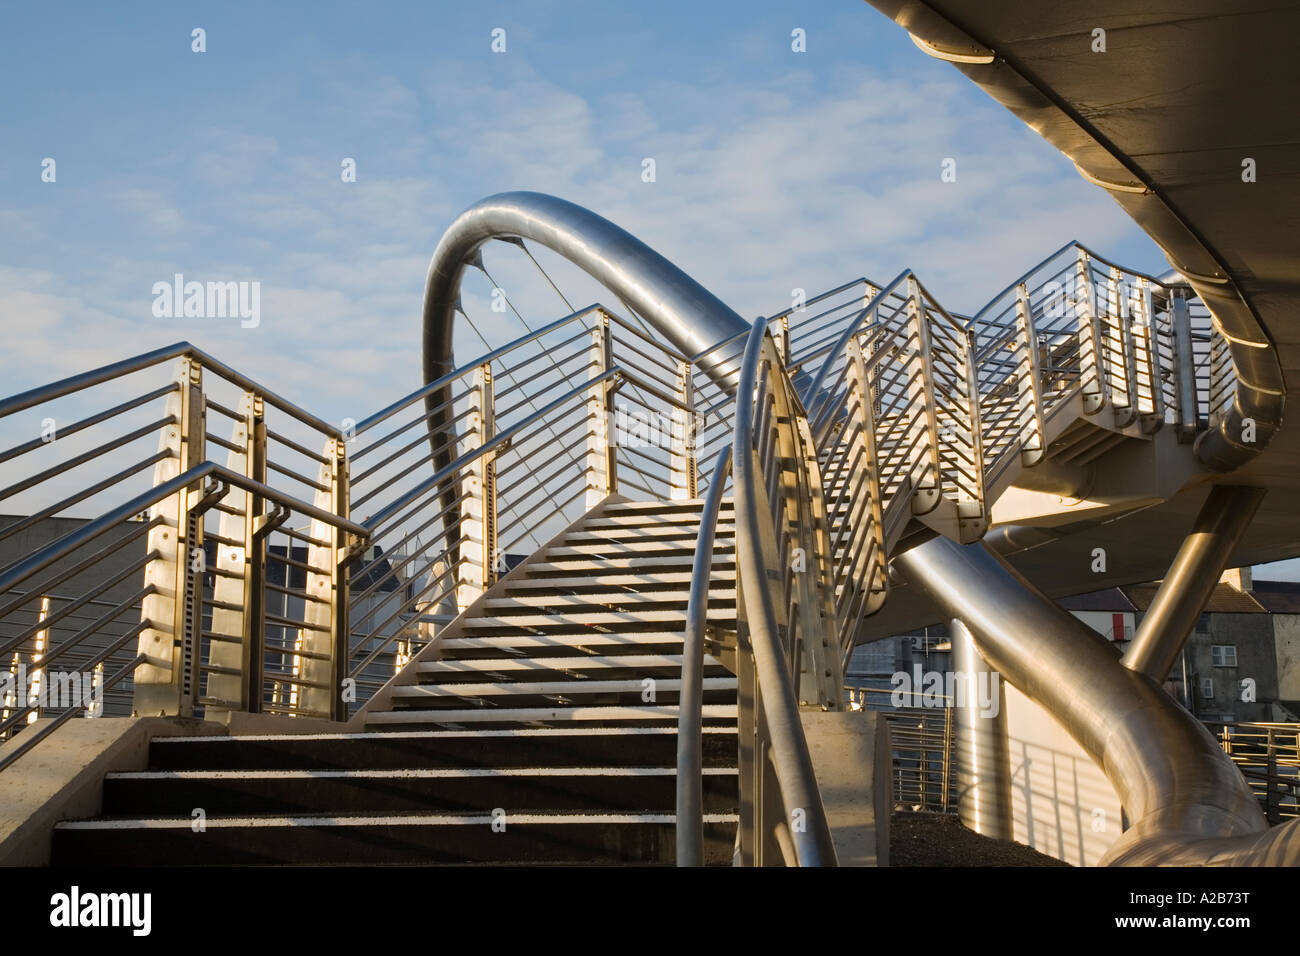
<point x="325" y="633"/>
<point x="479" y="541"/>
<point x="235" y="652"/>
<point x="928" y="478"/>
<point x="1092" y="371"/>
<point x="602" y="476"/>
<point x="1222" y="376"/>
<point x="1123" y="396"/>
<point x="1188" y="423"/>
<point x="1271" y="781"/>
<point x="684" y="474"/>
<point x="1151" y="398"/>
<point x="972" y="507"/>
<point x="166" y="683"/>
<point x="873" y="578"/>
<point x="1029" y="380"/>
<point x="947" y="755"/>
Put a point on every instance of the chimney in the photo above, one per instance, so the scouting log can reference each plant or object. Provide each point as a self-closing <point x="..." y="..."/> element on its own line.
<point x="1238" y="578"/>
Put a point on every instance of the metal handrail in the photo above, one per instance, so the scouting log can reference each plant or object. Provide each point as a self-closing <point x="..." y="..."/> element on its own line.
<point x="106" y="373"/>
<point x="690" y="707"/>
<point x="791" y="759"/>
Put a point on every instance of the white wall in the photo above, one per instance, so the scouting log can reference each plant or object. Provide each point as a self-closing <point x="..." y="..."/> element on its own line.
<point x="1286" y="634"/>
<point x="1103" y="622"/>
<point x="1063" y="804"/>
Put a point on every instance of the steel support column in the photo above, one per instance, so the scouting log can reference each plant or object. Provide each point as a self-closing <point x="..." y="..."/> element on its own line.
<point x="983" y="756"/>
<point x="1188" y="803"/>
<point x="1191" y="580"/>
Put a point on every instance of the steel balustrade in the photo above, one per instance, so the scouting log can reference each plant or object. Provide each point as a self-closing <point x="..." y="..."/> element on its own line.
<point x="532" y="435"/>
<point x="918" y="416"/>
<point x="181" y="545"/>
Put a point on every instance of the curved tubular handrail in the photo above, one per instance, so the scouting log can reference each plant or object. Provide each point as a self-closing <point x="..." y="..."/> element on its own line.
<point x="1188" y="802"/>
<point x="690" y="706"/>
<point x="790" y="756"/>
<point x="690" y="317"/>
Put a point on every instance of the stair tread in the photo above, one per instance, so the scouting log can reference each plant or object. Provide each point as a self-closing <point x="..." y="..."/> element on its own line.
<point x="378" y="820"/>
<point x="407" y="773"/>
<point x="546" y="688"/>
<point x="475" y="665"/>
<point x="524" y="714"/>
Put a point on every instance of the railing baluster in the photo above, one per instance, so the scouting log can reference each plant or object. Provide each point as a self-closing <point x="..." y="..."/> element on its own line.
<point x="166" y="683"/>
<point x="245" y="564"/>
<point x="479" y="571"/>
<point x="683" y="465"/>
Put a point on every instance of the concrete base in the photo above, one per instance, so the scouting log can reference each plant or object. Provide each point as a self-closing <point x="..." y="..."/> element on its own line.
<point x="255" y="725"/>
<point x="851" y="757"/>
<point x="62" y="777"/>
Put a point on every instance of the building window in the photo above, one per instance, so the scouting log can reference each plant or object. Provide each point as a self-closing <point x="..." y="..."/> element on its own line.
<point x="1223" y="655"/>
<point x="1207" y="688"/>
<point x="1203" y="624"/>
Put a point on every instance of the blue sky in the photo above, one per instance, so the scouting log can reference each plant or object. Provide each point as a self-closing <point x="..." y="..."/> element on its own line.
<point x="775" y="169"/>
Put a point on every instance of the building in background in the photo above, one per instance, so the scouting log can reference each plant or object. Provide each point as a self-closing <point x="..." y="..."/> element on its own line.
<point x="1241" y="663"/>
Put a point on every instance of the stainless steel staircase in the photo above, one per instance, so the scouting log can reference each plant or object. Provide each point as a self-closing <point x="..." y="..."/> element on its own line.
<point x="540" y="727"/>
<point x="545" y="549"/>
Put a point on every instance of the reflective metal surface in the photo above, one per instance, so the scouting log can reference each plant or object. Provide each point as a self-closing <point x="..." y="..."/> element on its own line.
<point x="1187" y="802"/>
<point x="1191" y="580"/>
<point x="982" y="754"/>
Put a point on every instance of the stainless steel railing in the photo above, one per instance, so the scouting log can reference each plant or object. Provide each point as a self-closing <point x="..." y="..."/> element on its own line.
<point x="136" y="555"/>
<point x="914" y="413"/>
<point x="1268" y="756"/>
<point x="783" y="595"/>
<point x="529" y="437"/>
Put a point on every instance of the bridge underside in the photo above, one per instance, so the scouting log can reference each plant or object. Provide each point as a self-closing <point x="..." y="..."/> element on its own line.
<point x="1215" y="84"/>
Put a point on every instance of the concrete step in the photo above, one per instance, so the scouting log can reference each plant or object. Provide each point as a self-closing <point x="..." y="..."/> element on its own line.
<point x="600" y="838"/>
<point x="525" y="693"/>
<point x="575" y="622"/>
<point x="678" y="561"/>
<point x="580" y="746"/>
<point x="608" y="715"/>
<point x="233" y="793"/>
<point x="516" y="668"/>
<point x="647" y="581"/>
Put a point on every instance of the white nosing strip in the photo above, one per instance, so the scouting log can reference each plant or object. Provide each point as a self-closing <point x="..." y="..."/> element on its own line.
<point x="413" y="820"/>
<point x="439" y="734"/>
<point x="411" y="774"/>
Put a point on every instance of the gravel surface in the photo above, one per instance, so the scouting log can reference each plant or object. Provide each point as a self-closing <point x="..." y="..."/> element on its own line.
<point x="936" y="839"/>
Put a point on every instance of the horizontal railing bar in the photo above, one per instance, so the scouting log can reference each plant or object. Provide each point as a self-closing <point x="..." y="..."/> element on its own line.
<point x="88" y="455"/>
<point x="66" y="430"/>
<point x="385" y="413"/>
<point x="375" y="521"/>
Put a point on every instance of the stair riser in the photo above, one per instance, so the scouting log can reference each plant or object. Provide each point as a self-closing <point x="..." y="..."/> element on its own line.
<point x="239" y="796"/>
<point x="555" y="672"/>
<point x="394" y="751"/>
<point x="630" y="698"/>
<point x="576" y="843"/>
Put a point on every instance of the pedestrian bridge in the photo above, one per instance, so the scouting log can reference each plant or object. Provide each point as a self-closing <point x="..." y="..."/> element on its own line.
<point x="577" y="597"/>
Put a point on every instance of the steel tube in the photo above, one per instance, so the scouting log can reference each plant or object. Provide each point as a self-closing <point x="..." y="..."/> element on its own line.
<point x="1191" y="579"/>
<point x="1188" y="803"/>
<point x="790" y="756"/>
<point x="690" y="707"/>
<point x="982" y="751"/>
<point x="690" y="317"/>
